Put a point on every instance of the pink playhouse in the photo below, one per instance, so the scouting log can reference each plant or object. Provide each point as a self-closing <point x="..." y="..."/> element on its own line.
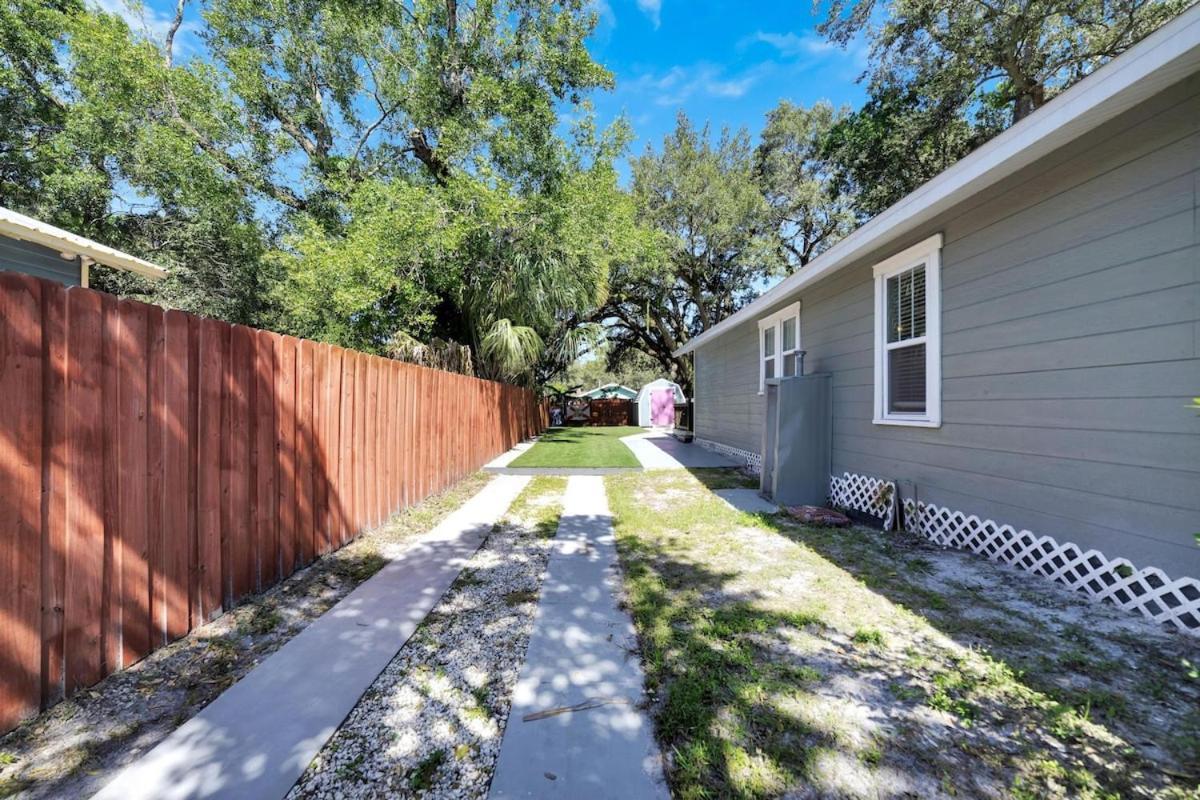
<point x="656" y="403"/>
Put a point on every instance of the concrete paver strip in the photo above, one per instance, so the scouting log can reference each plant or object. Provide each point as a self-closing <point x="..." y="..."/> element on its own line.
<point x="509" y="456"/>
<point x="576" y="728"/>
<point x="657" y="450"/>
<point x="258" y="737"/>
<point x="748" y="500"/>
<point x="561" y="471"/>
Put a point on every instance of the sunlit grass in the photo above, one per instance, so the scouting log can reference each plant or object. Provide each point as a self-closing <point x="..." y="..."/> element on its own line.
<point x="580" y="447"/>
<point x="787" y="659"/>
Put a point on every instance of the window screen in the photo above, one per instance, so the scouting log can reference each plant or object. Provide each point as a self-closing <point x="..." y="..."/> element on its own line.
<point x="906" y="379"/>
<point x="906" y="322"/>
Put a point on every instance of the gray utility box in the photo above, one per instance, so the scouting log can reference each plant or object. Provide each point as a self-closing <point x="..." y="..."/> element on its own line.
<point x="797" y="440"/>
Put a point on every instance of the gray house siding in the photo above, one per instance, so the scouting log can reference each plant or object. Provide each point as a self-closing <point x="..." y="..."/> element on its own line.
<point x="19" y="256"/>
<point x="1070" y="348"/>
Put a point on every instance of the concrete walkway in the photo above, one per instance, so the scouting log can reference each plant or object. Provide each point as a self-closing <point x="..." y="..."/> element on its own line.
<point x="259" y="736"/>
<point x="576" y="728"/>
<point x="504" y="459"/>
<point x="658" y="450"/>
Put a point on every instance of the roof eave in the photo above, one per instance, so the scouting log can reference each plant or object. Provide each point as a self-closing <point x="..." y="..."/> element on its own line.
<point x="19" y="226"/>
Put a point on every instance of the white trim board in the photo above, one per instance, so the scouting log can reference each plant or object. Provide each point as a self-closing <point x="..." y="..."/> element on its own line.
<point x="1161" y="59"/>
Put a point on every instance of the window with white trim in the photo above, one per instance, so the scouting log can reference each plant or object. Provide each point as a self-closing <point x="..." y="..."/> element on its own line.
<point x="779" y="345"/>
<point x="908" y="337"/>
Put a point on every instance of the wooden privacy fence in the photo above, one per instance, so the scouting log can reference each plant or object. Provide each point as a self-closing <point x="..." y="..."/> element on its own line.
<point x="155" y="467"/>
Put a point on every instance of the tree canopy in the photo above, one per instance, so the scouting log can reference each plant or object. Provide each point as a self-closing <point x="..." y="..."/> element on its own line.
<point x="946" y="75"/>
<point x="710" y="245"/>
<point x="420" y="177"/>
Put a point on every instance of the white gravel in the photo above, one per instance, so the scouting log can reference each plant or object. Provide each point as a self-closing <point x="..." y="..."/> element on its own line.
<point x="431" y="724"/>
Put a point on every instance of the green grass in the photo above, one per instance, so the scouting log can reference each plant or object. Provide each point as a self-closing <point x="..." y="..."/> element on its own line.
<point x="771" y="648"/>
<point x="580" y="447"/>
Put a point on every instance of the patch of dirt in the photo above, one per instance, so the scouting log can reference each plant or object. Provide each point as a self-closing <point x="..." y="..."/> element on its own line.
<point x="72" y="749"/>
<point x="812" y="662"/>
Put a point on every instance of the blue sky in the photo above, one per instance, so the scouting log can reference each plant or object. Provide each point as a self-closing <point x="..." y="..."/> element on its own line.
<point x="725" y="63"/>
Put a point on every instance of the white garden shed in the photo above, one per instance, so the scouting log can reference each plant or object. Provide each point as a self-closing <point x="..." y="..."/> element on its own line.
<point x="656" y="403"/>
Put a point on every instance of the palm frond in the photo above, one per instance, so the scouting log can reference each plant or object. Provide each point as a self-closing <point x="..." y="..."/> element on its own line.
<point x="510" y="349"/>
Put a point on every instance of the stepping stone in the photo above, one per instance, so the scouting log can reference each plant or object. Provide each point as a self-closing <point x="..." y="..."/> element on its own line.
<point x="576" y="728"/>
<point x="748" y="500"/>
<point x="256" y="739"/>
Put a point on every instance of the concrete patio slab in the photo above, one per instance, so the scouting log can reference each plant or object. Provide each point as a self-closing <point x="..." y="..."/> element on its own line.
<point x="747" y="500"/>
<point x="658" y="450"/>
<point x="257" y="738"/>
<point x="576" y="728"/>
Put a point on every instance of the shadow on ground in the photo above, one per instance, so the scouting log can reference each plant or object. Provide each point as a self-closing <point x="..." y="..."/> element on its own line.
<point x="798" y="661"/>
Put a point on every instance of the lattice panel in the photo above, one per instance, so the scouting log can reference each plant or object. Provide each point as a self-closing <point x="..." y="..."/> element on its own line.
<point x="873" y="496"/>
<point x="753" y="460"/>
<point x="1148" y="590"/>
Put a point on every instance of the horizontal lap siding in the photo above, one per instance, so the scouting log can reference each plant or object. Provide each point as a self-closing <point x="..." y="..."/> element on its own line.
<point x="727" y="404"/>
<point x="158" y="467"/>
<point x="38" y="261"/>
<point x="1071" y="349"/>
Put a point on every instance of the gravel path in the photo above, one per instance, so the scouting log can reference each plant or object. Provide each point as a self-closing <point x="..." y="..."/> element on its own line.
<point x="431" y="724"/>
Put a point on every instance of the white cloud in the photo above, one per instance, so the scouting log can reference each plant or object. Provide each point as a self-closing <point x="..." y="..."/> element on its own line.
<point x="152" y="22"/>
<point x="789" y="44"/>
<point x="812" y="47"/>
<point x="678" y="84"/>
<point x="653" y="11"/>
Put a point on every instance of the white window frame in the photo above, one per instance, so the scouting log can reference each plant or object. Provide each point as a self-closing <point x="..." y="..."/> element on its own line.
<point x="929" y="253"/>
<point x="776" y="321"/>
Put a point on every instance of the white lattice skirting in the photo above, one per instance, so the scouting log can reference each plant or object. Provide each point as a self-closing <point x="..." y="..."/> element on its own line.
<point x="753" y="460"/>
<point x="873" y="496"/>
<point x="1148" y="590"/>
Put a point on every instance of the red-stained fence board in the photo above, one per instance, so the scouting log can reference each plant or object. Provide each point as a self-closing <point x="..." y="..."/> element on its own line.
<point x="155" y="431"/>
<point x="54" y="496"/>
<point x="132" y="532"/>
<point x="176" y="449"/>
<point x="266" y="499"/>
<point x="333" y="448"/>
<point x="84" y="557"/>
<point x="358" y="456"/>
<point x="212" y="350"/>
<point x="304" y="439"/>
<point x="404" y="437"/>
<point x="285" y="391"/>
<point x="241" y="577"/>
<point x="345" y="491"/>
<point x="385" y="435"/>
<point x="320" y="438"/>
<point x="20" y="502"/>
<point x="372" y="444"/>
